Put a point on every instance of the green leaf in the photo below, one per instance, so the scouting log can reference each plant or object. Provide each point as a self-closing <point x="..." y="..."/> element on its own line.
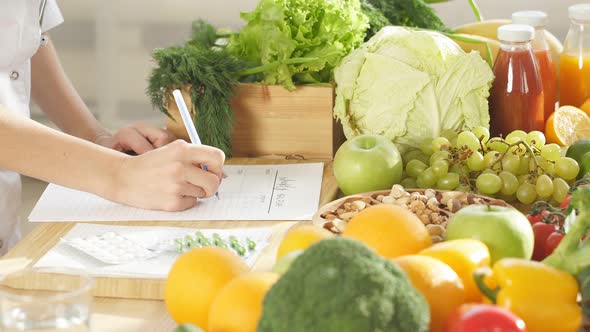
<point x="278" y="31"/>
<point x="187" y="328"/>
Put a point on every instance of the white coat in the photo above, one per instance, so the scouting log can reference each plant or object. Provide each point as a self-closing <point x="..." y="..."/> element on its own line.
<point x="20" y="37"/>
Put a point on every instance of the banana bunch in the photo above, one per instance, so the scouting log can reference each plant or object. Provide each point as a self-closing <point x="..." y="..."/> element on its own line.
<point x="486" y="32"/>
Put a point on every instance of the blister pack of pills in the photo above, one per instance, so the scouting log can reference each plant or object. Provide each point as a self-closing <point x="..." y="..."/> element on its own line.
<point x="111" y="248"/>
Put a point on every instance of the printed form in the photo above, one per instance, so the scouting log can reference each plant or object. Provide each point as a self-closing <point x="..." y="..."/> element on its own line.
<point x="250" y="192"/>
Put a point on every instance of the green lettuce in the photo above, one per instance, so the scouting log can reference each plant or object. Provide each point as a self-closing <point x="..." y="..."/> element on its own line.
<point x="409" y="86"/>
<point x="306" y="38"/>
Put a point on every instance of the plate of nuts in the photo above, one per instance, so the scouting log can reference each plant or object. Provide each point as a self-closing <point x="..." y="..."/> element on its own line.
<point x="432" y="206"/>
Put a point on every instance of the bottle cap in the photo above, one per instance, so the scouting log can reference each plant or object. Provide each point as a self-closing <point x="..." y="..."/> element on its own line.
<point x="530" y="17"/>
<point x="580" y="12"/>
<point x="516" y="33"/>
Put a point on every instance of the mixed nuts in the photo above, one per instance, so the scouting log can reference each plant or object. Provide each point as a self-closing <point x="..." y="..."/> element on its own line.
<point x="433" y="207"/>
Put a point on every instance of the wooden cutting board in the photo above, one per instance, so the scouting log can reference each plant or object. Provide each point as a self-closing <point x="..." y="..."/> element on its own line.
<point x="46" y="235"/>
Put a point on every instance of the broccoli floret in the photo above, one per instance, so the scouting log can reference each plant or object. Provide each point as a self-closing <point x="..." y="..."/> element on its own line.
<point x="339" y="285"/>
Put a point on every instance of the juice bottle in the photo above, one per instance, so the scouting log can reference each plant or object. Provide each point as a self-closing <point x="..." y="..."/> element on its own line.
<point x="574" y="65"/>
<point x="516" y="97"/>
<point x="538" y="20"/>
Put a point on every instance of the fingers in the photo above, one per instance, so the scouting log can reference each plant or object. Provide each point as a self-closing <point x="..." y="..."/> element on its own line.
<point x="156" y="136"/>
<point x="181" y="203"/>
<point x="212" y="157"/>
<point x="190" y="190"/>
<point x="206" y="181"/>
<point x="131" y="139"/>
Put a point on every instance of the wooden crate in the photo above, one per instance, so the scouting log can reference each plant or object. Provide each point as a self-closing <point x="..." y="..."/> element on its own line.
<point x="273" y="121"/>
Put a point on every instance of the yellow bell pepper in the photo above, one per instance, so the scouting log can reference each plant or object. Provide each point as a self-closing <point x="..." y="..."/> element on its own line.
<point x="544" y="297"/>
<point x="464" y="257"/>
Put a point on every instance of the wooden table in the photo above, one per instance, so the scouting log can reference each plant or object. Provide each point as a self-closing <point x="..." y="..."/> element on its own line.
<point x="116" y="314"/>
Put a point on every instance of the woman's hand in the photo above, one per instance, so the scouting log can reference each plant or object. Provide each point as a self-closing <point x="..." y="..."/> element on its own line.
<point x="170" y="178"/>
<point x="138" y="138"/>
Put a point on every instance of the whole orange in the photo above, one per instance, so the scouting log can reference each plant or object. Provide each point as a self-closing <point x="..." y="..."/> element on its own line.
<point x="390" y="230"/>
<point x="301" y="237"/>
<point x="586" y="106"/>
<point x="238" y="306"/>
<point x="195" y="279"/>
<point x="439" y="284"/>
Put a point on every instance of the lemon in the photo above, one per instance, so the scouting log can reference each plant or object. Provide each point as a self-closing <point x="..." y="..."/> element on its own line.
<point x="567" y="125"/>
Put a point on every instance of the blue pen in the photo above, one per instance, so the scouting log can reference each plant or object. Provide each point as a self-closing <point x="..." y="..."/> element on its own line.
<point x="188" y="124"/>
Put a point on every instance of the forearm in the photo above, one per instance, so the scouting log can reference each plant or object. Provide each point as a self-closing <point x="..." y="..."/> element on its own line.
<point x="55" y="95"/>
<point x="35" y="150"/>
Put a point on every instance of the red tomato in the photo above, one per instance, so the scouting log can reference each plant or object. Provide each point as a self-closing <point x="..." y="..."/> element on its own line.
<point x="533" y="219"/>
<point x="566" y="201"/>
<point x="552" y="242"/>
<point x="542" y="232"/>
<point x="483" y="318"/>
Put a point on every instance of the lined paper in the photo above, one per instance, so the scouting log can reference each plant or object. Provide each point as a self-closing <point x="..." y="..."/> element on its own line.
<point x="250" y="192"/>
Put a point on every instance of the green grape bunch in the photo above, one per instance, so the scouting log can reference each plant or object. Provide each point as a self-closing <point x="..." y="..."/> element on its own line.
<point x="519" y="167"/>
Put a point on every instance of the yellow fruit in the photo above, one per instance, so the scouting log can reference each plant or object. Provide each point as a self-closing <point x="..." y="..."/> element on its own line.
<point x="464" y="256"/>
<point x="390" y="230"/>
<point x="486" y="28"/>
<point x="479" y="46"/>
<point x="238" y="306"/>
<point x="586" y="107"/>
<point x="439" y="284"/>
<point x="301" y="237"/>
<point x="567" y="125"/>
<point x="195" y="280"/>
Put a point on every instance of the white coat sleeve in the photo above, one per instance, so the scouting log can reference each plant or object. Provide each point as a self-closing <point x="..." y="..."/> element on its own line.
<point x="53" y="16"/>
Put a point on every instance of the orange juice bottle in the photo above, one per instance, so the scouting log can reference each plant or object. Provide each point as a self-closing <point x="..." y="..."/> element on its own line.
<point x="538" y="20"/>
<point x="574" y="65"/>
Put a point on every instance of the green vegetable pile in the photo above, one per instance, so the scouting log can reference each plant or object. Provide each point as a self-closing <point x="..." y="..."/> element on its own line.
<point x="284" y="42"/>
<point x="321" y="32"/>
<point x="339" y="285"/>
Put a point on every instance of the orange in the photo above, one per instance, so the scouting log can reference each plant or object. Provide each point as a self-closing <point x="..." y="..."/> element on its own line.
<point x="441" y="286"/>
<point x="195" y="279"/>
<point x="567" y="125"/>
<point x="586" y="107"/>
<point x="301" y="237"/>
<point x="464" y="256"/>
<point x="390" y="230"/>
<point x="238" y="306"/>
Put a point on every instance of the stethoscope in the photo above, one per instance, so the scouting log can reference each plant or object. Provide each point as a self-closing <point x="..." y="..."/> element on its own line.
<point x="44" y="40"/>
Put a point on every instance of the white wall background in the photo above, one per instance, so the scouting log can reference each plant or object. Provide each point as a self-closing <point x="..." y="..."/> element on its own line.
<point x="105" y="45"/>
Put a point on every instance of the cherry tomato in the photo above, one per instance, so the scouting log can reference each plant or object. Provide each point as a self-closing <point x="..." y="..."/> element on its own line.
<point x="483" y="318"/>
<point x="542" y="232"/>
<point x="566" y="202"/>
<point x="552" y="242"/>
<point x="533" y="219"/>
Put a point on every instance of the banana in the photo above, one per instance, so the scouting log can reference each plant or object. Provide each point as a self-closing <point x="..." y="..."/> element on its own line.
<point x="479" y="46"/>
<point x="489" y="30"/>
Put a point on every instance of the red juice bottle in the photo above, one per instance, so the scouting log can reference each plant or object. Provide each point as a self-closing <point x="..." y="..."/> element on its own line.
<point x="516" y="97"/>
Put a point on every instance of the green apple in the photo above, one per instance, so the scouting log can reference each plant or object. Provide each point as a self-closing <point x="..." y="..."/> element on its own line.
<point x="367" y="163"/>
<point x="505" y="231"/>
<point x="284" y="263"/>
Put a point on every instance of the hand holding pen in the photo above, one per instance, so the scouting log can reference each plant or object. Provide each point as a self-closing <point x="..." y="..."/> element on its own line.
<point x="189" y="125"/>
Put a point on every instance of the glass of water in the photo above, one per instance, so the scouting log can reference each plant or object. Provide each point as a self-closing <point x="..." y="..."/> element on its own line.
<point x="44" y="299"/>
